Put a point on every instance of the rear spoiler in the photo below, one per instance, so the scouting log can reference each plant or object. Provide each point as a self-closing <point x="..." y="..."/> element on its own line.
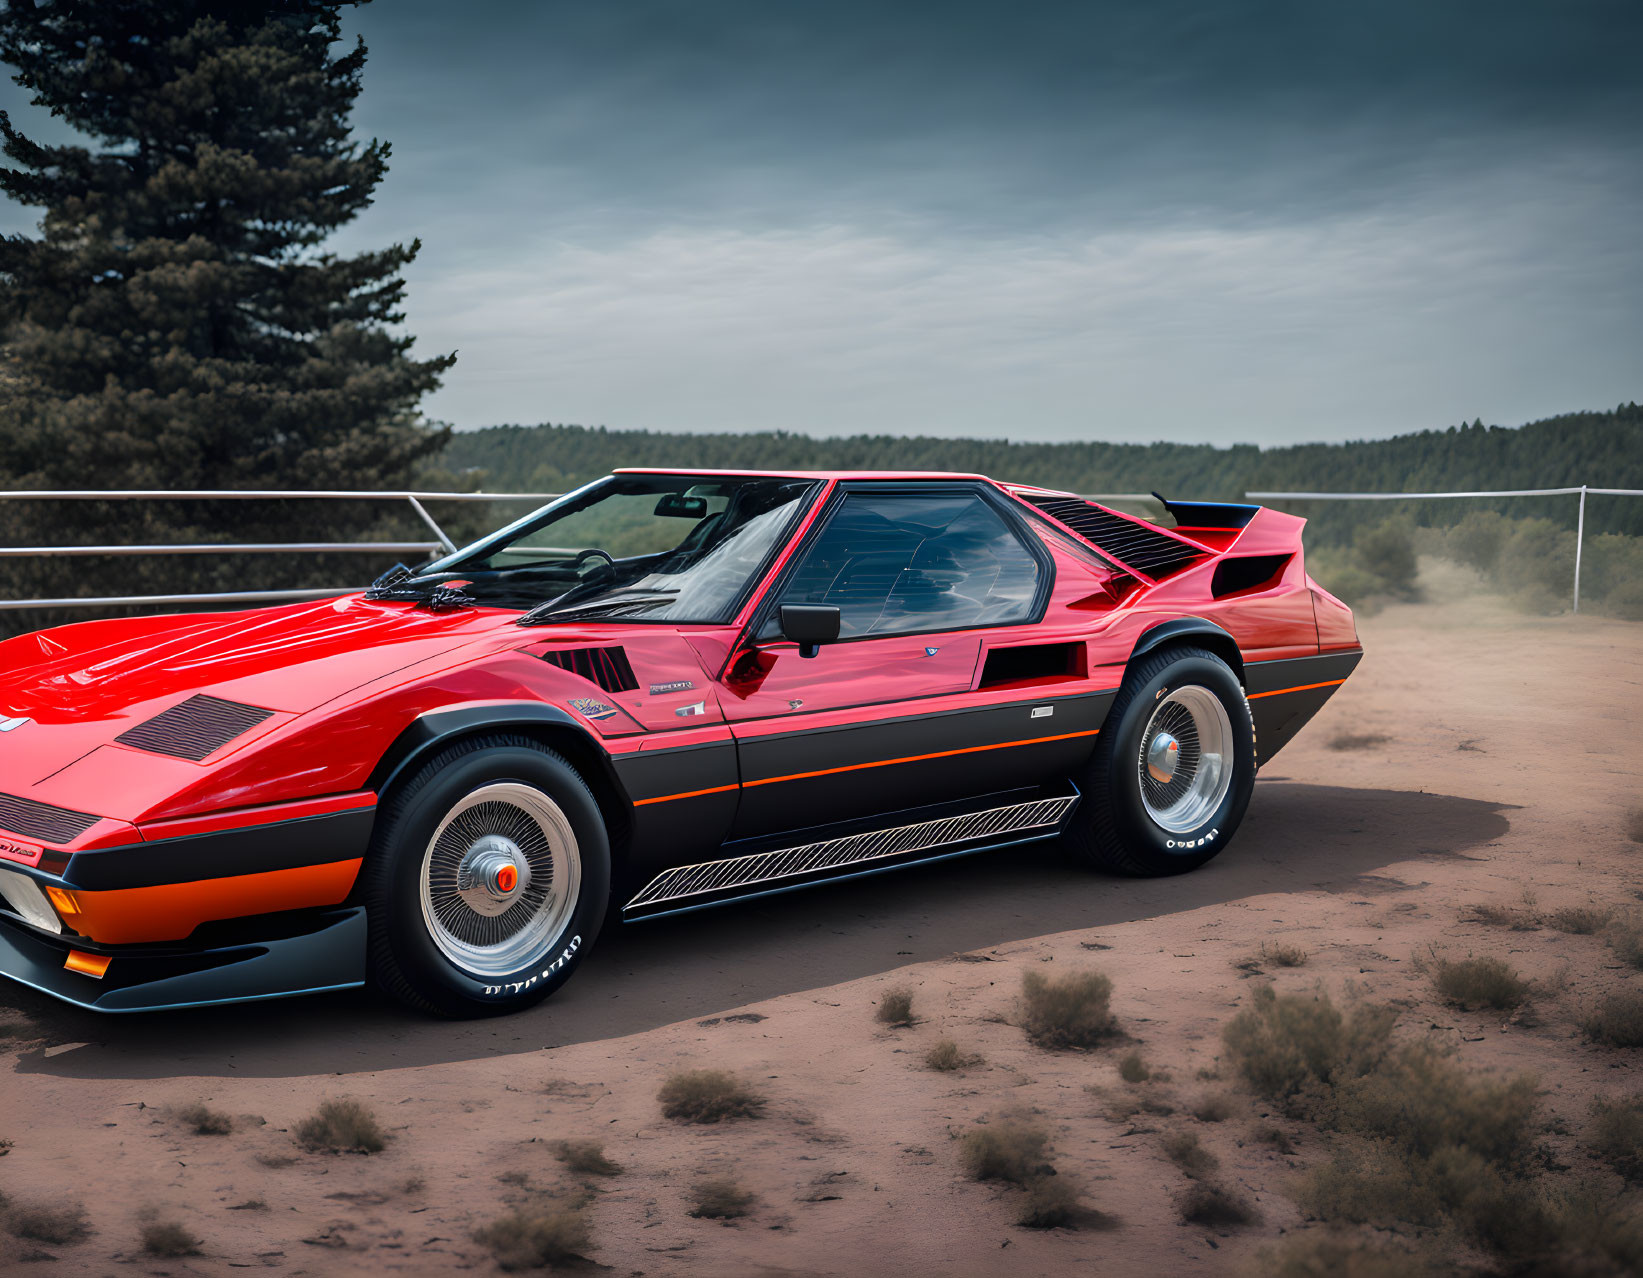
<point x="1208" y="514"/>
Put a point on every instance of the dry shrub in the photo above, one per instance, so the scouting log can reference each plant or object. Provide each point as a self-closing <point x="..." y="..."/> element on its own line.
<point x="1617" y="1020"/>
<point x="1357" y="740"/>
<point x="1277" y="1137"/>
<point x="1183" y="1149"/>
<point x="55" y="1223"/>
<point x="1132" y="1069"/>
<point x="1480" y="982"/>
<point x="204" y="1121"/>
<point x="168" y="1238"/>
<point x="1517" y="918"/>
<point x="1281" y="955"/>
<point x="708" y="1096"/>
<point x="1215" y="1107"/>
<point x="1634" y="825"/>
<point x="1333" y="1255"/>
<point x="1067" y="1011"/>
<point x="586" y="1158"/>
<point x="1580" y="920"/>
<point x="1626" y="936"/>
<point x="719" y="1198"/>
<point x="896" y="1006"/>
<point x="1289" y="1046"/>
<point x="945" y="1057"/>
<point x="1215" y="1207"/>
<point x="1011" y="1150"/>
<point x="342" y="1126"/>
<point x="1052" y="1202"/>
<point x="536" y="1238"/>
<point x="1617" y="1134"/>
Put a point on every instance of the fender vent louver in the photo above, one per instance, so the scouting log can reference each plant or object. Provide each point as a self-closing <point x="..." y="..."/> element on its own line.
<point x="1132" y="544"/>
<point x="194" y="728"/>
<point x="607" y="667"/>
<point x="35" y="820"/>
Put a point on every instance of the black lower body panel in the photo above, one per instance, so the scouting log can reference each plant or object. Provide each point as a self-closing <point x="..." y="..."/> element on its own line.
<point x="305" y="952"/>
<point x="1285" y="694"/>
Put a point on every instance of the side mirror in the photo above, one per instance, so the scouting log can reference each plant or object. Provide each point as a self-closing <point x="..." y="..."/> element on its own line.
<point x="810" y="626"/>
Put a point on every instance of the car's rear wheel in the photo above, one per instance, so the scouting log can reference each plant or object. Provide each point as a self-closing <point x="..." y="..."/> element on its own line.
<point x="488" y="879"/>
<point x="1173" y="768"/>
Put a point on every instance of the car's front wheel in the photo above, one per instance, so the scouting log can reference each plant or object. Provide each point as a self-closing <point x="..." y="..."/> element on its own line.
<point x="487" y="881"/>
<point x="1173" y="769"/>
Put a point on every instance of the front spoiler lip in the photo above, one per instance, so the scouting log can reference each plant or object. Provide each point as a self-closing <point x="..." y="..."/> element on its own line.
<point x="306" y="952"/>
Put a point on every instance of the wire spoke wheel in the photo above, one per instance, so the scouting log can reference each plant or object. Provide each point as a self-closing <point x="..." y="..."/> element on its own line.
<point x="1185" y="762"/>
<point x="500" y="879"/>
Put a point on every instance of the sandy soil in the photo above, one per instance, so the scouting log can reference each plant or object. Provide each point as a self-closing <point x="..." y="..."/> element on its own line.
<point x="1512" y="750"/>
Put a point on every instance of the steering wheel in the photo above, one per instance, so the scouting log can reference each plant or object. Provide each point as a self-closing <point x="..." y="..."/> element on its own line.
<point x="582" y="557"/>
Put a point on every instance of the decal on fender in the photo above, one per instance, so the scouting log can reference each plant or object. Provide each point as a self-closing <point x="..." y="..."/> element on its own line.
<point x="591" y="708"/>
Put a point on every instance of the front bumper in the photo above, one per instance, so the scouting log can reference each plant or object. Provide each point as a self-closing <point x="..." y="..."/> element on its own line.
<point x="302" y="953"/>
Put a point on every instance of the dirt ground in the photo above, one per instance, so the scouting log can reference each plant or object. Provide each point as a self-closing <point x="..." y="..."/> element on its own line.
<point x="1497" y="759"/>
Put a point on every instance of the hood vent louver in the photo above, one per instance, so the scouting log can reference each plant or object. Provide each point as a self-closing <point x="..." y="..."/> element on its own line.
<point x="194" y="728"/>
<point x="1131" y="543"/>
<point x="607" y="667"/>
<point x="35" y="820"/>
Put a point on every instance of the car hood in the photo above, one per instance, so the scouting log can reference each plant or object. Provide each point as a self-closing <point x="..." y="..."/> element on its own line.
<point x="292" y="658"/>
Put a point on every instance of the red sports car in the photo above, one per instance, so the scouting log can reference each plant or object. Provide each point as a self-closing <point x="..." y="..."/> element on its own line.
<point x="663" y="691"/>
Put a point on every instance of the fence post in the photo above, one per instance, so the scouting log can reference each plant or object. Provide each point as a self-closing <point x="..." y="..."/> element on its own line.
<point x="1580" y="537"/>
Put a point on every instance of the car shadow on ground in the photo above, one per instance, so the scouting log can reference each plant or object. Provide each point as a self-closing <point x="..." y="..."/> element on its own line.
<point x="1297" y="838"/>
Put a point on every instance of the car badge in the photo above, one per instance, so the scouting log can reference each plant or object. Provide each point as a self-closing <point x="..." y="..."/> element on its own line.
<point x="591" y="708"/>
<point x="11" y="725"/>
<point x="678" y="685"/>
<point x="685" y="712"/>
<point x="794" y="704"/>
<point x="17" y="850"/>
<point x="930" y="652"/>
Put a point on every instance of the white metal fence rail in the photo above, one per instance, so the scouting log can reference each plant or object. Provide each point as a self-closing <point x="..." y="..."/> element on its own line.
<point x="1580" y="520"/>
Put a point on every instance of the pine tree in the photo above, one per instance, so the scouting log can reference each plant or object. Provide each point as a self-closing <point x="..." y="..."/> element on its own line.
<point x="176" y="322"/>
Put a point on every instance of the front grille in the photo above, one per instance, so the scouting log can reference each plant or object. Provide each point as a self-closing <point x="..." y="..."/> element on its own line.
<point x="607" y="667"/>
<point x="194" y="728"/>
<point x="1132" y="543"/>
<point x="35" y="820"/>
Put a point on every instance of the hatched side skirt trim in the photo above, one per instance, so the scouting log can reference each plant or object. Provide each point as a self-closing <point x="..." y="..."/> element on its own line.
<point x="832" y="854"/>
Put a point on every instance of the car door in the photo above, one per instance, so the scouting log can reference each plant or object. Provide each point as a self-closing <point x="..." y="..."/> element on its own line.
<point x="869" y="725"/>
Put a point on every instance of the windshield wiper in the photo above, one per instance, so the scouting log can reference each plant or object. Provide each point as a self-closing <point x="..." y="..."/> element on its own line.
<point x="559" y="609"/>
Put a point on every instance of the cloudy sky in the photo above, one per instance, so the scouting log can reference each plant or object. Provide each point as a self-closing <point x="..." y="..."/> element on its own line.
<point x="1165" y="219"/>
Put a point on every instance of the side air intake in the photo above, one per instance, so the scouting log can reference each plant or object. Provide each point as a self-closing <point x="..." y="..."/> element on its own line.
<point x="35" y="820"/>
<point x="1131" y="543"/>
<point x="607" y="667"/>
<point x="194" y="728"/>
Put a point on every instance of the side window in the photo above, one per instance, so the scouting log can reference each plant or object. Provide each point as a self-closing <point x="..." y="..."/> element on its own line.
<point x="905" y="563"/>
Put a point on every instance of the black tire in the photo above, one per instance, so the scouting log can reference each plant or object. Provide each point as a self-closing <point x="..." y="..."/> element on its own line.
<point x="407" y="960"/>
<point x="1113" y="827"/>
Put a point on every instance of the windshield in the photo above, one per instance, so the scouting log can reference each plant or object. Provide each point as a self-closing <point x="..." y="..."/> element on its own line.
<point x="641" y="547"/>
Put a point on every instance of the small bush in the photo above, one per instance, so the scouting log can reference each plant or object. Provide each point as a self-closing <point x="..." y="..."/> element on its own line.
<point x="1634" y="825"/>
<point x="719" y="1198"/>
<point x="204" y="1121"/>
<point x="1480" y="982"/>
<point x="1626" y="936"/>
<point x="342" y="1126"/>
<point x="1617" y="1020"/>
<point x="1009" y="1150"/>
<point x="1277" y="1137"/>
<point x="1580" y="920"/>
<point x="1215" y="1207"/>
<point x="58" y="1224"/>
<point x="1357" y="740"/>
<point x="1132" y="1069"/>
<point x="1280" y="955"/>
<point x="536" y="1238"/>
<point x="1617" y="1135"/>
<point x="708" y="1096"/>
<point x="586" y="1158"/>
<point x="1387" y="552"/>
<point x="1215" y="1107"/>
<point x="1509" y="916"/>
<point x="1332" y="1255"/>
<point x="1052" y="1202"/>
<point x="168" y="1238"/>
<point x="945" y="1057"/>
<point x="1288" y="1045"/>
<point x="1068" y="1011"/>
<point x="896" y="1007"/>
<point x="1183" y="1149"/>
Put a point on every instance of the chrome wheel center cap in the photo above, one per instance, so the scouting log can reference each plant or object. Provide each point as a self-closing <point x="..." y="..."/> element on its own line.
<point x="1162" y="756"/>
<point x="492" y="876"/>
